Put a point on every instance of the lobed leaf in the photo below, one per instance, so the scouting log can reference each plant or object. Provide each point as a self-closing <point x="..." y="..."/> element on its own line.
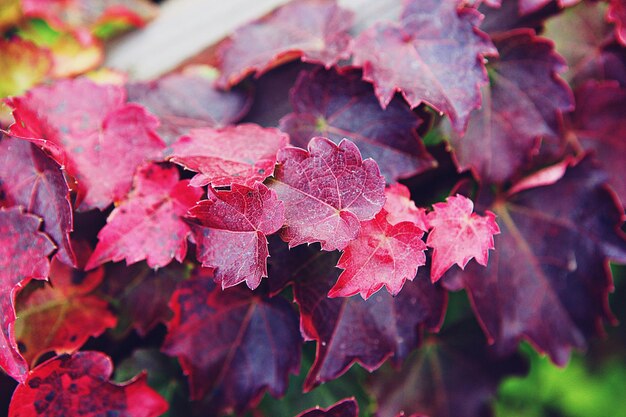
<point x="400" y="207"/>
<point x="458" y="235"/>
<point x="452" y="375"/>
<point x="327" y="191"/>
<point x="341" y="105"/>
<point x="149" y="223"/>
<point x="29" y="178"/>
<point x="61" y="316"/>
<point x="349" y="330"/>
<point x="242" y="154"/>
<point x="521" y="106"/>
<point x="382" y="255"/>
<point x="91" y="132"/>
<point x="548" y="280"/>
<point x="188" y="101"/>
<point x="599" y="124"/>
<point x="23" y="256"/>
<point x="434" y="55"/>
<point x="232" y="230"/>
<point x="314" y="30"/>
<point x="141" y="294"/>
<point x="77" y="385"/>
<point x="233" y="345"/>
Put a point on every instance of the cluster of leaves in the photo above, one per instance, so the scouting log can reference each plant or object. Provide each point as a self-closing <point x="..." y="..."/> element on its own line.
<point x="223" y="218"/>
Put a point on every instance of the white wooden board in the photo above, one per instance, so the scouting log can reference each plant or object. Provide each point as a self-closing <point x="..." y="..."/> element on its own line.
<point x="185" y="27"/>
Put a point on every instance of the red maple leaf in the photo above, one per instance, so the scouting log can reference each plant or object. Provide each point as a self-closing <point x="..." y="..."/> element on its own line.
<point x="77" y="385"/>
<point x="91" y="132"/>
<point x="435" y="55"/>
<point x="231" y="236"/>
<point x="249" y="157"/>
<point x="233" y="344"/>
<point x="314" y="30"/>
<point x="327" y="190"/>
<point x="342" y="105"/>
<point x="458" y="235"/>
<point x="28" y="177"/>
<point x="148" y="224"/>
<point x="23" y="256"/>
<point x="59" y="317"/>
<point x="382" y="254"/>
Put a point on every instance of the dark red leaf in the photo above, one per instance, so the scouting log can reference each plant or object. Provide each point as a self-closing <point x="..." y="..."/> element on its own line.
<point x="327" y="190"/>
<point x="349" y="330"/>
<point x="77" y="386"/>
<point x="458" y="235"/>
<point x="23" y="256"/>
<point x="61" y="317"/>
<point x="148" y="224"/>
<point x="271" y="98"/>
<point x="314" y="30"/>
<point x="508" y="17"/>
<point x="382" y="254"/>
<point x="339" y="106"/>
<point x="435" y="55"/>
<point x="242" y="154"/>
<point x="450" y="376"/>
<point x="188" y="101"/>
<point x="400" y="207"/>
<point x="548" y="280"/>
<point x="599" y="124"/>
<point x="91" y="132"/>
<point x="343" y="408"/>
<point x="521" y="106"/>
<point x="617" y="15"/>
<point x="141" y="293"/>
<point x="232" y="344"/>
<point x="232" y="233"/>
<point x="30" y="179"/>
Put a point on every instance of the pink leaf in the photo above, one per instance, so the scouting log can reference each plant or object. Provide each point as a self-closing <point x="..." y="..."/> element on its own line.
<point x="90" y="131"/>
<point x="458" y="235"/>
<point x="231" y="236"/>
<point x="400" y="207"/>
<point x="383" y="254"/>
<point x="148" y="225"/>
<point x="327" y="190"/>
<point x="240" y="154"/>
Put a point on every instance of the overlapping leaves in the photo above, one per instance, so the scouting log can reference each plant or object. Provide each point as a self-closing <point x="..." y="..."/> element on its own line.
<point x="546" y="281"/>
